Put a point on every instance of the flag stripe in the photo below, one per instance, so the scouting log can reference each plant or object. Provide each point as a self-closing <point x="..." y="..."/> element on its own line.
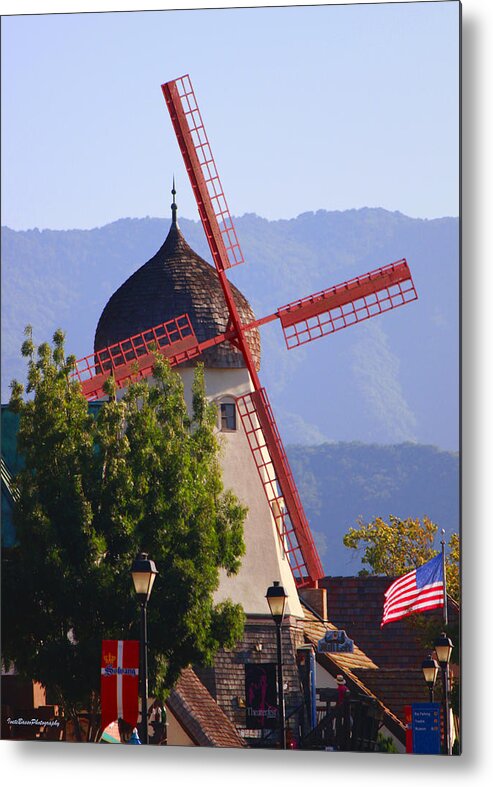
<point x="419" y="590"/>
<point x="400" y="585"/>
<point x="412" y="612"/>
<point x="395" y="612"/>
<point x="119" y="680"/>
<point x="411" y="594"/>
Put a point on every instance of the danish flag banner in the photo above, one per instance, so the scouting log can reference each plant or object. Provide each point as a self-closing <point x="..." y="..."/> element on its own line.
<point x="119" y="681"/>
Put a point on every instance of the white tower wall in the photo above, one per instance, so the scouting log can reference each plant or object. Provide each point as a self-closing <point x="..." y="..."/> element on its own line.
<point x="264" y="559"/>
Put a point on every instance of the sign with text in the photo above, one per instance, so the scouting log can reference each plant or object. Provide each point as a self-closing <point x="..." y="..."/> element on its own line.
<point x="426" y="728"/>
<point x="119" y="681"/>
<point x="335" y="641"/>
<point x="261" y="696"/>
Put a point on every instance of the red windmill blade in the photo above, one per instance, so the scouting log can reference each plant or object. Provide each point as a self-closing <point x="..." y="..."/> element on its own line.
<point x="291" y="521"/>
<point x="344" y="304"/>
<point x="199" y="161"/>
<point x="301" y="321"/>
<point x="279" y="486"/>
<point x="133" y="358"/>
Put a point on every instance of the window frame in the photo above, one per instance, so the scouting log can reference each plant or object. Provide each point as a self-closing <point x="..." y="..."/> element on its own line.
<point x="225" y="418"/>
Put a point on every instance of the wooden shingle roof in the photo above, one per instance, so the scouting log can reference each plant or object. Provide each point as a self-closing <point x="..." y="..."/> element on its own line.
<point x="200" y="715"/>
<point x="173" y="282"/>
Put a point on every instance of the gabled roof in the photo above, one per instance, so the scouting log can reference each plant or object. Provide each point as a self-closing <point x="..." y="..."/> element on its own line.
<point x="200" y="715"/>
<point x="10" y="426"/>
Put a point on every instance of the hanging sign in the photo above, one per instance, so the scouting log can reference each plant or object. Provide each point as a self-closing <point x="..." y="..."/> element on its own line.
<point x="119" y="681"/>
<point x="335" y="641"/>
<point x="261" y="697"/>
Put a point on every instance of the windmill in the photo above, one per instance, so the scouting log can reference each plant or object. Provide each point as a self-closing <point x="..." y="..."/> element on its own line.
<point x="302" y="321"/>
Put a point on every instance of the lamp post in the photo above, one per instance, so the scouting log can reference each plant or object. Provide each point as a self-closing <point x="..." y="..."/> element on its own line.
<point x="276" y="597"/>
<point x="143" y="574"/>
<point x="430" y="672"/>
<point x="443" y="649"/>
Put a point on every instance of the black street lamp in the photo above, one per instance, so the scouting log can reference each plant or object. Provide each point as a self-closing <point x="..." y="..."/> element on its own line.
<point x="430" y="672"/>
<point x="443" y="649"/>
<point x="143" y="574"/>
<point x="276" y="597"/>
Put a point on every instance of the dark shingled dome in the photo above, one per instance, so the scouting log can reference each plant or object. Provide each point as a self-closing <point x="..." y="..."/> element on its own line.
<point x="176" y="281"/>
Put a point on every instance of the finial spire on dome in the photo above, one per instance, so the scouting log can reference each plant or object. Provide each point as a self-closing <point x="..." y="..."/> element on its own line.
<point x="174" y="206"/>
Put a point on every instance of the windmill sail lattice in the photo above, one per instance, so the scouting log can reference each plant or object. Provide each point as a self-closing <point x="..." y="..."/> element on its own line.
<point x="346" y="304"/>
<point x="133" y="358"/>
<point x="279" y="486"/>
<point x="201" y="167"/>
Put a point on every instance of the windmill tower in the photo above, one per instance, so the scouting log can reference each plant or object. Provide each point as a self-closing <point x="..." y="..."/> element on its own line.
<point x="177" y="279"/>
<point x="137" y="325"/>
<point x="189" y="311"/>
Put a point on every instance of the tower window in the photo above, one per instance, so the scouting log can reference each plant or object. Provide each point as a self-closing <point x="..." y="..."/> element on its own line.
<point x="228" y="417"/>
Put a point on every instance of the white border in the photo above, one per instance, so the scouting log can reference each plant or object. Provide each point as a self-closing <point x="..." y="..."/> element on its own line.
<point x="51" y="762"/>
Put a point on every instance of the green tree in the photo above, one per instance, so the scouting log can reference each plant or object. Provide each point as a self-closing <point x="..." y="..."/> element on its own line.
<point x="142" y="475"/>
<point x="452" y="561"/>
<point x="395" y="547"/>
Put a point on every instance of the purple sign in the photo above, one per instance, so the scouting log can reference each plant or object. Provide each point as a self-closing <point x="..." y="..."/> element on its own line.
<point x="261" y="696"/>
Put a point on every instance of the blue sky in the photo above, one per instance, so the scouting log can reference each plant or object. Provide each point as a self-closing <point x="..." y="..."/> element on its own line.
<point x="330" y="107"/>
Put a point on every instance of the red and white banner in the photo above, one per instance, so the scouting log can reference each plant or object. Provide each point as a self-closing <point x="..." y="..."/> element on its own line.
<point x="119" y="681"/>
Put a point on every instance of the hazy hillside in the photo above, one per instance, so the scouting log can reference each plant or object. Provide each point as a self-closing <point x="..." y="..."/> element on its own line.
<point x="341" y="482"/>
<point x="392" y="379"/>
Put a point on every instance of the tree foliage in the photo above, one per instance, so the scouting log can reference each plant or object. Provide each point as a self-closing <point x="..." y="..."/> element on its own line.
<point x="452" y="560"/>
<point x="392" y="548"/>
<point x="143" y="475"/>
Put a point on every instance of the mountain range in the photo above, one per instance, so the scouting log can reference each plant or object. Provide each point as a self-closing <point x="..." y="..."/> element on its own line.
<point x="389" y="380"/>
<point x="342" y="484"/>
<point x="369" y="415"/>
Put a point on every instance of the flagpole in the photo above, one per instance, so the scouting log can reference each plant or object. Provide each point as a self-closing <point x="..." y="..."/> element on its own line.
<point x="445" y="610"/>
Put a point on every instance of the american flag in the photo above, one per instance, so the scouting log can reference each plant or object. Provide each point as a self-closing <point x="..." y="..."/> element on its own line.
<point x="418" y="591"/>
